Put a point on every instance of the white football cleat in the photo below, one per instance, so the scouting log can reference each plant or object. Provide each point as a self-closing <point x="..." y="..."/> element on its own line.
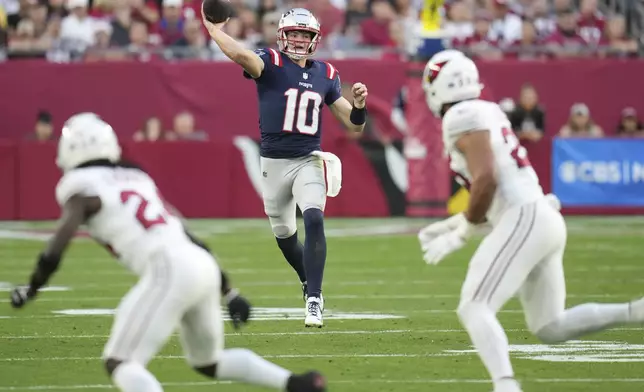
<point x="314" y="310"/>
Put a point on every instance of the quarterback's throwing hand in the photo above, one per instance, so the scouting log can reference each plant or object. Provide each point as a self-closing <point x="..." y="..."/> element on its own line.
<point x="360" y="93"/>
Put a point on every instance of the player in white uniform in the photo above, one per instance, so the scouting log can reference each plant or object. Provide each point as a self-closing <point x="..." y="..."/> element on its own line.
<point x="179" y="285"/>
<point x="523" y="254"/>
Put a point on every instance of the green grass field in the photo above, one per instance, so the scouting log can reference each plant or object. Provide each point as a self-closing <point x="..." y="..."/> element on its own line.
<point x="390" y="321"/>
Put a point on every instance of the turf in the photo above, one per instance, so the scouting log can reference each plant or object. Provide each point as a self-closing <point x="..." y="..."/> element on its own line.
<point x="374" y="267"/>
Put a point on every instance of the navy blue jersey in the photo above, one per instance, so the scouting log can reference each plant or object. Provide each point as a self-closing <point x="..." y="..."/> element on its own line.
<point x="290" y="103"/>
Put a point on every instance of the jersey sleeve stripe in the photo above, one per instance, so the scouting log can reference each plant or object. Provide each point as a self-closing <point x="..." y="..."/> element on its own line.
<point x="330" y="71"/>
<point x="275" y="57"/>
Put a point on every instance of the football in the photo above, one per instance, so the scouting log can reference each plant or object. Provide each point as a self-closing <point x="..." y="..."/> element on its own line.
<point x="217" y="11"/>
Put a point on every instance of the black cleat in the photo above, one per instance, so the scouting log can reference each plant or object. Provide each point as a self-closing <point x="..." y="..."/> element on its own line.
<point x="308" y="382"/>
<point x="305" y="289"/>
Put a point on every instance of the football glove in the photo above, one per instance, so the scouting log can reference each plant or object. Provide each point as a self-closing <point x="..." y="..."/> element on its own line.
<point x="452" y="234"/>
<point x="238" y="308"/>
<point x="20" y="296"/>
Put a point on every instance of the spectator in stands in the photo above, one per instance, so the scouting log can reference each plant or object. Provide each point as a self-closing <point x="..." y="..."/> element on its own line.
<point x="193" y="44"/>
<point x="544" y="22"/>
<point x="459" y="25"/>
<point x="249" y="21"/>
<point x="121" y="21"/>
<point x="265" y="7"/>
<point x="566" y="41"/>
<point x="528" y="118"/>
<point x="3" y="26"/>
<point x="16" y="11"/>
<point x="268" y="38"/>
<point x="480" y="45"/>
<point x="629" y="124"/>
<point x="102" y="48"/>
<point x="184" y="129"/>
<point x="170" y="27"/>
<point x="57" y="9"/>
<point x="375" y="30"/>
<point x="152" y="131"/>
<point x="140" y="47"/>
<point x="506" y="26"/>
<point x="77" y="29"/>
<point x="617" y="43"/>
<point x="529" y="47"/>
<point x="580" y="125"/>
<point x="356" y="12"/>
<point x="44" y="129"/>
<point x="590" y="21"/>
<point x="560" y="6"/>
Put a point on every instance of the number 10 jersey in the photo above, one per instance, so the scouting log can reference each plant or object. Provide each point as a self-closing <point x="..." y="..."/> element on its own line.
<point x="290" y="103"/>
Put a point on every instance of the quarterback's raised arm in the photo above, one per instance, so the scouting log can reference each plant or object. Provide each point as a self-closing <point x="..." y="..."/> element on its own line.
<point x="478" y="153"/>
<point x="353" y="116"/>
<point x="248" y="59"/>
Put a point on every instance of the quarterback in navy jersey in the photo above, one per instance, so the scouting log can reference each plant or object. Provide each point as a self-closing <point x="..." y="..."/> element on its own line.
<point x="292" y="89"/>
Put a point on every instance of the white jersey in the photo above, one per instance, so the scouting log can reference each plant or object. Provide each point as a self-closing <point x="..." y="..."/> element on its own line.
<point x="132" y="221"/>
<point x="517" y="182"/>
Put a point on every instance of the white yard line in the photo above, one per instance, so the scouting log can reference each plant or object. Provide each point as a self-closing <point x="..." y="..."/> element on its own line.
<point x="303" y="333"/>
<point x="423" y="297"/>
<point x="357" y="382"/>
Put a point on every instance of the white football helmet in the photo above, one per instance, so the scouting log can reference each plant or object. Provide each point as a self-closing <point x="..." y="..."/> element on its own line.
<point x="450" y="76"/>
<point x="85" y="138"/>
<point x="298" y="19"/>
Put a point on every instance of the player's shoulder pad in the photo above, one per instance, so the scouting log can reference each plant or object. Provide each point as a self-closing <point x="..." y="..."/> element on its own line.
<point x="75" y="182"/>
<point x="331" y="70"/>
<point x="465" y="117"/>
<point x="270" y="55"/>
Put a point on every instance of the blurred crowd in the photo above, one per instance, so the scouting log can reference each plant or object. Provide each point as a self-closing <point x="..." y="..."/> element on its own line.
<point x="528" y="118"/>
<point x="146" y="30"/>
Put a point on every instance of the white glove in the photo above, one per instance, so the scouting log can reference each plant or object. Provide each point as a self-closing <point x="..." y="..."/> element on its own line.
<point x="432" y="231"/>
<point x="448" y="236"/>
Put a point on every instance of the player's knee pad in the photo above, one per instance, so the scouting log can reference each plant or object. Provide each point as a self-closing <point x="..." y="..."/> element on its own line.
<point x="283" y="231"/>
<point x="313" y="218"/>
<point x="470" y="312"/>
<point x="111" y="364"/>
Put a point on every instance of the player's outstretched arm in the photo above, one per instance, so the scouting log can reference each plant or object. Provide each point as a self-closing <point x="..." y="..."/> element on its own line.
<point x="75" y="211"/>
<point x="248" y="59"/>
<point x="480" y="163"/>
<point x="352" y="116"/>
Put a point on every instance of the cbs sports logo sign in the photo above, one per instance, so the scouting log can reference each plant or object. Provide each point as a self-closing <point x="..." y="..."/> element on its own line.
<point x="601" y="172"/>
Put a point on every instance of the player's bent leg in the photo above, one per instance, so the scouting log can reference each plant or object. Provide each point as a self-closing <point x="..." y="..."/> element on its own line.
<point x="202" y="337"/>
<point x="309" y="190"/>
<point x="496" y="272"/>
<point x="144" y="320"/>
<point x="543" y="298"/>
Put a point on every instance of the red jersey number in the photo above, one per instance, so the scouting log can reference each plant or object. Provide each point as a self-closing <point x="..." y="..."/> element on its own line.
<point x="518" y="152"/>
<point x="141" y="209"/>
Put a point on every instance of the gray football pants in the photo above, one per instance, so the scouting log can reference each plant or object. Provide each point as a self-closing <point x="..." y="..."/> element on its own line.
<point x="286" y="182"/>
